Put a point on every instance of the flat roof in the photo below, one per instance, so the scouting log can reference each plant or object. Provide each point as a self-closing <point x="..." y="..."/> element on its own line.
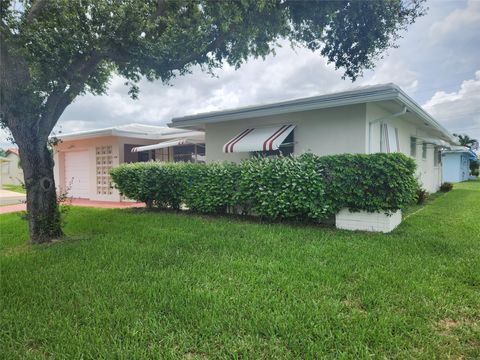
<point x="365" y="94"/>
<point x="139" y="131"/>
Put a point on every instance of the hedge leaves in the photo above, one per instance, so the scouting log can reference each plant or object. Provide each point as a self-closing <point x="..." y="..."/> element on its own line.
<point x="307" y="188"/>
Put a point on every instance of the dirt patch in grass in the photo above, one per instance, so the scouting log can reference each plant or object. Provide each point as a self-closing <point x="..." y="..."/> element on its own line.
<point x="461" y="337"/>
<point x="194" y="356"/>
<point x="451" y="324"/>
<point x="354" y="305"/>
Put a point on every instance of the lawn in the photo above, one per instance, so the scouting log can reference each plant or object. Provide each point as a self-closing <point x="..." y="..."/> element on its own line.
<point x="16" y="188"/>
<point x="127" y="284"/>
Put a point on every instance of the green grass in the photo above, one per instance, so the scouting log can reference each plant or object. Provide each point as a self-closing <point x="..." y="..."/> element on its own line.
<point x="128" y="284"/>
<point x="16" y="188"/>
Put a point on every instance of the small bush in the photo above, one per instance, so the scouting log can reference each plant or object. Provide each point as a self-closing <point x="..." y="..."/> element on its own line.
<point x="422" y="195"/>
<point x="446" y="187"/>
<point x="156" y="184"/>
<point x="474" y="168"/>
<point x="127" y="180"/>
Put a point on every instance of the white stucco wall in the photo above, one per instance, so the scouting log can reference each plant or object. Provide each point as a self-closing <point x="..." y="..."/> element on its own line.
<point x="323" y="132"/>
<point x="429" y="175"/>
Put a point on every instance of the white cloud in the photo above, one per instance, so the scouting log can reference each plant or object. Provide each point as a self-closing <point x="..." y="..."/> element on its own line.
<point x="457" y="20"/>
<point x="459" y="111"/>
<point x="396" y="71"/>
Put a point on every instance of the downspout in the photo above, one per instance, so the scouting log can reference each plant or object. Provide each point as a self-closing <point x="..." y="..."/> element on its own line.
<point x="400" y="113"/>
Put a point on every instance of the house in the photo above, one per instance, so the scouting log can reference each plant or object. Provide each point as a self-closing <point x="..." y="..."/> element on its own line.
<point x="380" y="118"/>
<point x="83" y="159"/>
<point x="456" y="163"/>
<point x="11" y="171"/>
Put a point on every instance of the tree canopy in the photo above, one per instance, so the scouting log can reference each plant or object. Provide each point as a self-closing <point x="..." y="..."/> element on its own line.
<point x="465" y="140"/>
<point x="69" y="47"/>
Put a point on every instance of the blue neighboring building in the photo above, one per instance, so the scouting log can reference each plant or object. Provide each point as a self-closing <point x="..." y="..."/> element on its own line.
<point x="456" y="164"/>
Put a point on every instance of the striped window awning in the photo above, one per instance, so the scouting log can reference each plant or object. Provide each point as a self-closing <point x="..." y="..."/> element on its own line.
<point x="263" y="138"/>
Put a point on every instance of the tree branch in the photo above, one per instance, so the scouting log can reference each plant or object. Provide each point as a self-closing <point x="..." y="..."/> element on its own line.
<point x="15" y="81"/>
<point x="66" y="92"/>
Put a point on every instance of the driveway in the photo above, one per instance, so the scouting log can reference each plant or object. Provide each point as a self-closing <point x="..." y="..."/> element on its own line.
<point x="8" y="197"/>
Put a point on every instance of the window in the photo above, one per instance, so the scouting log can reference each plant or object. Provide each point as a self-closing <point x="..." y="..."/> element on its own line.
<point x="424" y="151"/>
<point x="141" y="156"/>
<point x="286" y="148"/>
<point x="389" y="140"/>
<point x="413" y="147"/>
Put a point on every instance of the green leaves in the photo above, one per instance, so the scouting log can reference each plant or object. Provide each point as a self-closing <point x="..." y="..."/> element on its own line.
<point x="138" y="39"/>
<point x="304" y="188"/>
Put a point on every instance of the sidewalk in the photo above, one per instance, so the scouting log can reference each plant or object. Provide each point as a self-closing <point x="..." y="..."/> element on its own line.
<point x="8" y="197"/>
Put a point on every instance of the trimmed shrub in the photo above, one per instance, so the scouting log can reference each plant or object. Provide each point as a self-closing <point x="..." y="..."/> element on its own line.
<point x="307" y="187"/>
<point x="376" y="182"/>
<point x="446" y="187"/>
<point x="127" y="179"/>
<point x="157" y="184"/>
<point x="282" y="188"/>
<point x="212" y="188"/>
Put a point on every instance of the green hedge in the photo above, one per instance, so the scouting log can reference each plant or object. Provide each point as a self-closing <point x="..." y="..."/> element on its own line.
<point x="212" y="188"/>
<point x="376" y="182"/>
<point x="282" y="187"/>
<point x="307" y="187"/>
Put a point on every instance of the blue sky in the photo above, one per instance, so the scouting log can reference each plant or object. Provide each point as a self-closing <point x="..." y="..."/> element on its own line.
<point x="437" y="63"/>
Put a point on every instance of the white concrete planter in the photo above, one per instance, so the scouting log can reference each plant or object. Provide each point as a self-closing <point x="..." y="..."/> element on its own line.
<point x="367" y="221"/>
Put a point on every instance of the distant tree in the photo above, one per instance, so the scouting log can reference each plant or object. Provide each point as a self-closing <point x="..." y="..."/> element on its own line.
<point x="3" y="153"/>
<point x="465" y="140"/>
<point x="54" y="50"/>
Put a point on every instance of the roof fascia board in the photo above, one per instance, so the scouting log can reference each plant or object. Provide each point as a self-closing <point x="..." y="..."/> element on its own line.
<point x="86" y="134"/>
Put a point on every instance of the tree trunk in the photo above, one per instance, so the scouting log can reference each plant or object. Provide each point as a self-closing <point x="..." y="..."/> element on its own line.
<point x="43" y="213"/>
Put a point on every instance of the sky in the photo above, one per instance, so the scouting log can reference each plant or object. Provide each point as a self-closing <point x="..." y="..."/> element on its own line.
<point x="437" y="63"/>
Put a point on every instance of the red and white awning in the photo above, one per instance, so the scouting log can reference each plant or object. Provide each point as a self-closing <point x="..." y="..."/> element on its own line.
<point x="166" y="144"/>
<point x="263" y="138"/>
